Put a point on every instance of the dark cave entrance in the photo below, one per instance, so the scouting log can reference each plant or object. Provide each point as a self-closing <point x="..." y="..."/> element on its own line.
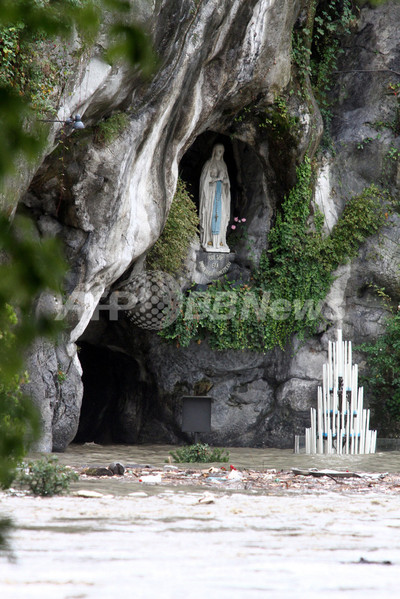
<point x="121" y="400"/>
<point x="115" y="399"/>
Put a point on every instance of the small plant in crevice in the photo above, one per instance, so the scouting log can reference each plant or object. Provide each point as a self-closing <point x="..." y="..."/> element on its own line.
<point x="390" y="163"/>
<point x="199" y="452"/>
<point x="276" y="118"/>
<point x="111" y="128"/>
<point x="364" y="142"/>
<point x="243" y="115"/>
<point x="195" y="8"/>
<point x="61" y="375"/>
<point x="45" y="477"/>
<point x="393" y="91"/>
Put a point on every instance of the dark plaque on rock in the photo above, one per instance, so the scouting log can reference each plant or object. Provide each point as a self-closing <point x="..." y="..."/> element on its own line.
<point x="196" y="414"/>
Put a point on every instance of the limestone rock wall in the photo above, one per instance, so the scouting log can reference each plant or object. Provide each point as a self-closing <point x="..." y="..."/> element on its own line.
<point x="109" y="204"/>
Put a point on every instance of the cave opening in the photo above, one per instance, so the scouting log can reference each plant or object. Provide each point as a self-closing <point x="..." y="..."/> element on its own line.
<point x="115" y="398"/>
<point x="121" y="401"/>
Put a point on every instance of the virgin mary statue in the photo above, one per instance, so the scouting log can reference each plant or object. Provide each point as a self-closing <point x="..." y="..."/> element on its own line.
<point x="215" y="200"/>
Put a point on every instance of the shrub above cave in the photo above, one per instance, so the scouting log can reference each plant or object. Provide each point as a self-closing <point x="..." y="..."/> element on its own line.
<point x="181" y="227"/>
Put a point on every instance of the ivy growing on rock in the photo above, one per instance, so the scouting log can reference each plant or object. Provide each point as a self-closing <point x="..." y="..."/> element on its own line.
<point x="316" y="48"/>
<point x="34" y="63"/>
<point x="383" y="381"/>
<point x="332" y="20"/>
<point x="26" y="67"/>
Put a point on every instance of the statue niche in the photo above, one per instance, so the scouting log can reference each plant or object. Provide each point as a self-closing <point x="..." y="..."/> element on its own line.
<point x="215" y="201"/>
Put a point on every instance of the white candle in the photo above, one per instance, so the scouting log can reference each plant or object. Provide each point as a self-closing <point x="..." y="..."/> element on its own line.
<point x="339" y="352"/>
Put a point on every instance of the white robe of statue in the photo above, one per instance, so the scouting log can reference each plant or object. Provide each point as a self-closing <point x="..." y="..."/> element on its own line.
<point x="215" y="201"/>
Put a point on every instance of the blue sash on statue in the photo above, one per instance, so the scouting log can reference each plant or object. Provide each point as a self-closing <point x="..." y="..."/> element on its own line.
<point x="216" y="214"/>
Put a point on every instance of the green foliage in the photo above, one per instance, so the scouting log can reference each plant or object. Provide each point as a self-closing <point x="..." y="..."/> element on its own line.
<point x="19" y="426"/>
<point x="61" y="375"/>
<point x="50" y="17"/>
<point x="238" y="235"/>
<point x="373" y="3"/>
<point x="393" y="91"/>
<point x="364" y="142"/>
<point x="383" y="381"/>
<point x="27" y="267"/>
<point x="171" y="248"/>
<point x="27" y="75"/>
<point x="46" y="477"/>
<point x="301" y="47"/>
<point x="27" y="67"/>
<point x="109" y="129"/>
<point x="363" y="216"/>
<point x="292" y="279"/>
<point x="276" y="118"/>
<point x="131" y="41"/>
<point x="332" y="20"/>
<point x="29" y="71"/>
<point x="243" y="115"/>
<point x="316" y="49"/>
<point x="200" y="452"/>
<point x="16" y="139"/>
<point x="389" y="166"/>
<point x="301" y="53"/>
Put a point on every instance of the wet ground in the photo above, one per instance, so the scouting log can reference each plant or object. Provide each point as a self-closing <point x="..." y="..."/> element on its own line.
<point x="190" y="537"/>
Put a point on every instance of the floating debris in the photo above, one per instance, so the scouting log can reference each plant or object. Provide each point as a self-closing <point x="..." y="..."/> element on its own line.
<point x="207" y="498"/>
<point x="87" y="493"/>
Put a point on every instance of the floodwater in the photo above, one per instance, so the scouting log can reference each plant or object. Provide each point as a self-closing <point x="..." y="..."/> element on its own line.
<point x="241" y="457"/>
<point x="145" y="542"/>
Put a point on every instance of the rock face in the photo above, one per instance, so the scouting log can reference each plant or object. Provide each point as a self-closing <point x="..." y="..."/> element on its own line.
<point x="108" y="203"/>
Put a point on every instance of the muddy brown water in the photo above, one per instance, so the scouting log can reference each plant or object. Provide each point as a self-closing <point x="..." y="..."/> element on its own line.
<point x="142" y="541"/>
<point x="241" y="457"/>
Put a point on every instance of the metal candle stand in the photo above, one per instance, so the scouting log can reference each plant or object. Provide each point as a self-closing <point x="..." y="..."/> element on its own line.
<point x="340" y="424"/>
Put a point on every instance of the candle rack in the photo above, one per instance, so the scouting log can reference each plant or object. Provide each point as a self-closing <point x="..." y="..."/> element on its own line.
<point x="340" y="424"/>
